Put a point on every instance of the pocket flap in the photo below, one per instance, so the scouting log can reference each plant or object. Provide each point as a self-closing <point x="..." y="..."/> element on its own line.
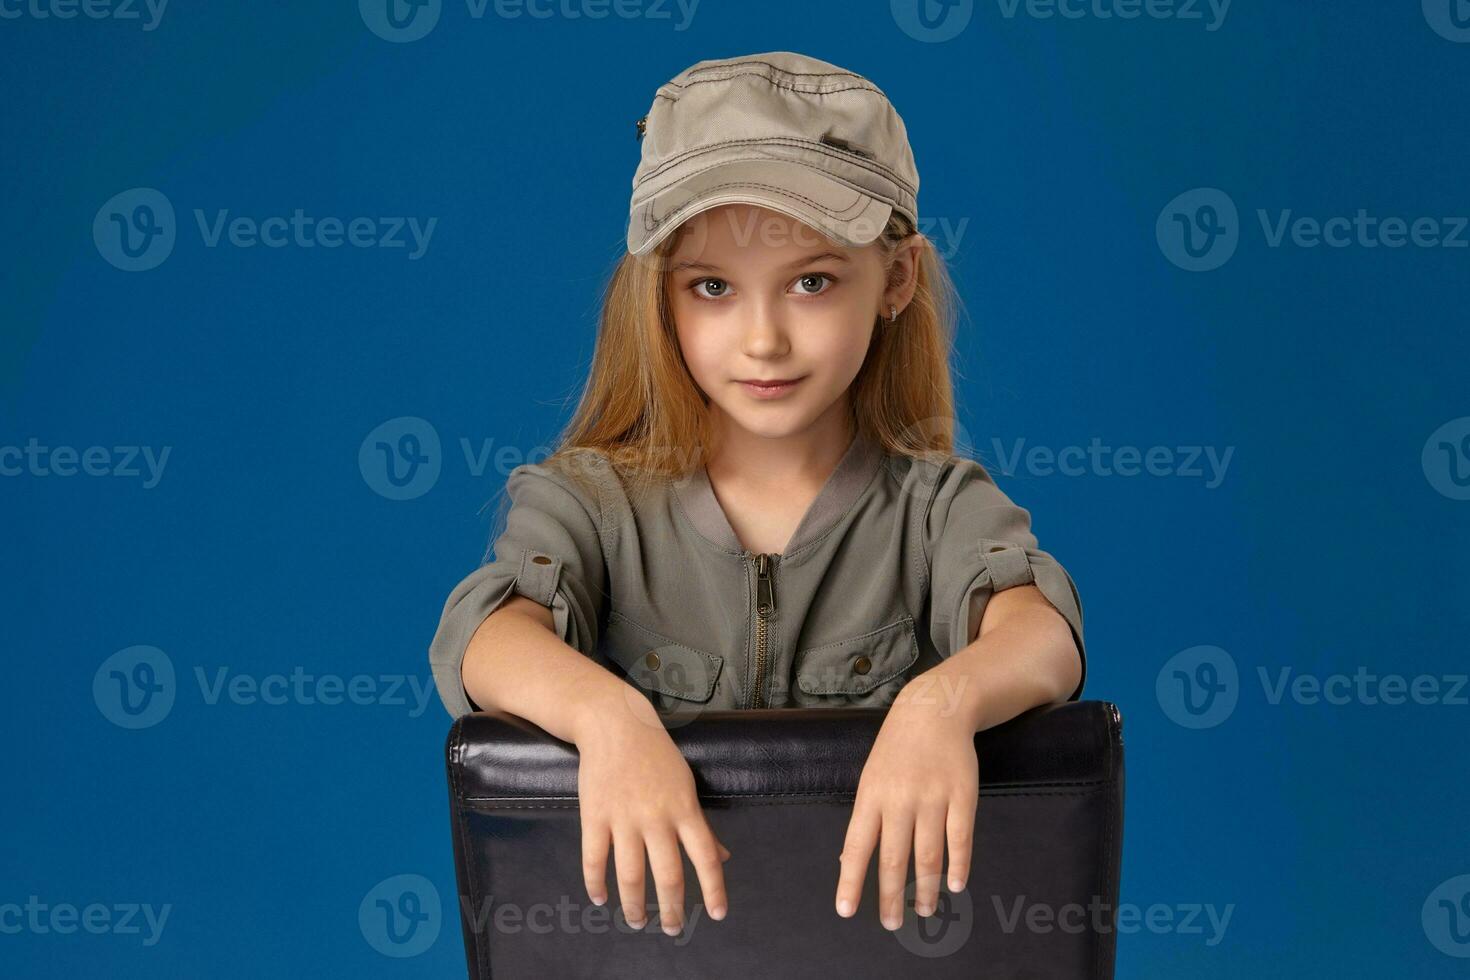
<point x="657" y="663"/>
<point x="859" y="664"/>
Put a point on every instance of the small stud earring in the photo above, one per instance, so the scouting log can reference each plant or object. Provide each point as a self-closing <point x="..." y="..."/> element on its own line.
<point x="892" y="314"/>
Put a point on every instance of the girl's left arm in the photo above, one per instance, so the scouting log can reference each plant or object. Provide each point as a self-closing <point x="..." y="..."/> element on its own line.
<point x="1025" y="656"/>
<point x="920" y="786"/>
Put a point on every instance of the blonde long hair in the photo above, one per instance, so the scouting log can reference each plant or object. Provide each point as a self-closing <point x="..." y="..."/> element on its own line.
<point x="642" y="411"/>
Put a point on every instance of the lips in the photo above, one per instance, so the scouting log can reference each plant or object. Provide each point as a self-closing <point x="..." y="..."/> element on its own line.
<point x="769" y="390"/>
<point x="772" y="383"/>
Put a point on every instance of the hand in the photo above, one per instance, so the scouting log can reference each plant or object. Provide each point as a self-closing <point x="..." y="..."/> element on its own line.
<point x="919" y="788"/>
<point x="636" y="791"/>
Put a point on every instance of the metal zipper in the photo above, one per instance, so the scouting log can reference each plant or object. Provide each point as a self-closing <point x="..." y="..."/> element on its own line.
<point x="765" y="605"/>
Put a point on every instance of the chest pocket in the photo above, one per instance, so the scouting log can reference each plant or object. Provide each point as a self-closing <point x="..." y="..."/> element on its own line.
<point x="860" y="671"/>
<point x="657" y="664"/>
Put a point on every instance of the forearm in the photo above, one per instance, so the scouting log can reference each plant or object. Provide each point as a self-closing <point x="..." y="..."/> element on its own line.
<point x="515" y="663"/>
<point x="1024" y="656"/>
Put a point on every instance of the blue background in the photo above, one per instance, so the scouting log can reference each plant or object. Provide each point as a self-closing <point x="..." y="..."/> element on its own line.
<point x="265" y="547"/>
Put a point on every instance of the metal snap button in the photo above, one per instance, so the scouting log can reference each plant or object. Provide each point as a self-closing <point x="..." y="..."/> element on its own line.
<point x="862" y="665"/>
<point x="651" y="660"/>
<point x="541" y="560"/>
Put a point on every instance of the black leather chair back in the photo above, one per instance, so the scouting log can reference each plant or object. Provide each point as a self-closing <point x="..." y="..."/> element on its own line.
<point x="778" y="786"/>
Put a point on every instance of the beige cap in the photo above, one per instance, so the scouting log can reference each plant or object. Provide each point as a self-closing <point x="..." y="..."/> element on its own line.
<point x="779" y="130"/>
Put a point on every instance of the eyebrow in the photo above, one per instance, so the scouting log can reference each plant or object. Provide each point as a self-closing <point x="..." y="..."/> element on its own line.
<point x="804" y="260"/>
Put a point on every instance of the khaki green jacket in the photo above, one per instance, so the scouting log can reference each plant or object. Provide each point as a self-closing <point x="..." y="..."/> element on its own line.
<point x="884" y="576"/>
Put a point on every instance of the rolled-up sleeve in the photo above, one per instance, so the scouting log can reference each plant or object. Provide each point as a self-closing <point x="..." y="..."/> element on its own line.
<point x="550" y="551"/>
<point x="980" y="543"/>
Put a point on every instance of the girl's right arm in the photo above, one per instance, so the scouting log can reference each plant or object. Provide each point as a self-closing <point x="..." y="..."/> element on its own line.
<point x="635" y="789"/>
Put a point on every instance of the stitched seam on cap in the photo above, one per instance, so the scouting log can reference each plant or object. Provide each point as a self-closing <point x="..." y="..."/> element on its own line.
<point x="727" y="66"/>
<point x="866" y="163"/>
<point x="650" y="223"/>
<point x="778" y="80"/>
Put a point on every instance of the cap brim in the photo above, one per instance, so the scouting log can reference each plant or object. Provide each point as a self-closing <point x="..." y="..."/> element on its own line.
<point x="838" y="210"/>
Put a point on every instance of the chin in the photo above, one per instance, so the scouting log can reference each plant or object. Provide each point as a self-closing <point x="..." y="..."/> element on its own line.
<point x="777" y="424"/>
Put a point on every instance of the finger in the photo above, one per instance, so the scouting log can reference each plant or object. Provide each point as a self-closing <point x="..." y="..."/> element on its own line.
<point x="893" y="864"/>
<point x="929" y="828"/>
<point x="595" y="840"/>
<point x="857" y="851"/>
<point x="628" y="859"/>
<point x="668" y="878"/>
<point x="707" y="854"/>
<point x="960" y="830"/>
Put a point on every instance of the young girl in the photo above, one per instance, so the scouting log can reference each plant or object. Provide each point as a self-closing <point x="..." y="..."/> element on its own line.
<point x="757" y="503"/>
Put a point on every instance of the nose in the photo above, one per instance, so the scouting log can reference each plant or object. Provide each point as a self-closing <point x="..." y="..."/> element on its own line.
<point x="765" y="330"/>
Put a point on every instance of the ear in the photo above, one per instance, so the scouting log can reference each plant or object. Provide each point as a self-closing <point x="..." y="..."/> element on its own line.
<point x="904" y="276"/>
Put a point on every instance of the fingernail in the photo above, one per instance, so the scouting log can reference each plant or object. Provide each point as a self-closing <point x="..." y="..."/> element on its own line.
<point x="717" y="911"/>
<point x="924" y="909"/>
<point x="844" y="907"/>
<point x="956" y="885"/>
<point x="891" y="922"/>
<point x="670" y="929"/>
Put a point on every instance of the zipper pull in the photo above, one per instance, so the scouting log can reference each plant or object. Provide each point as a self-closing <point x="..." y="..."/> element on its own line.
<point x="765" y="595"/>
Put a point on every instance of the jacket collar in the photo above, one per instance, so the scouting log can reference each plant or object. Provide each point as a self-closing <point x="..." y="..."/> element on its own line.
<point x="853" y="473"/>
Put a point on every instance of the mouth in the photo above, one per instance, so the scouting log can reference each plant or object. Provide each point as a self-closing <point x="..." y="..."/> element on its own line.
<point x="771" y="388"/>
